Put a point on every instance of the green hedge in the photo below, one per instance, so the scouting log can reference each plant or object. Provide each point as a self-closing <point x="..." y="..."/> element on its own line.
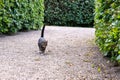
<point x="107" y="24"/>
<point x="16" y="15"/>
<point x="69" y="12"/>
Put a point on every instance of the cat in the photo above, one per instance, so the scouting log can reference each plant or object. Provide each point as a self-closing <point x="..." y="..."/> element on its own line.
<point x="42" y="42"/>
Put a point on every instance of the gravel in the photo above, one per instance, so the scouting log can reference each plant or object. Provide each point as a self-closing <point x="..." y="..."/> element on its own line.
<point x="71" y="54"/>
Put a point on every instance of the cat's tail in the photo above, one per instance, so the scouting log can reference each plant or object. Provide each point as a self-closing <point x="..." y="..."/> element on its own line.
<point x="42" y="32"/>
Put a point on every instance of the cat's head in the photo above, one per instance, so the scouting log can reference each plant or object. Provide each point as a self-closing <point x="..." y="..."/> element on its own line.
<point x="44" y="44"/>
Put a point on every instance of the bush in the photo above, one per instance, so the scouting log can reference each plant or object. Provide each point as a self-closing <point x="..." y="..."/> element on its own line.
<point x="69" y="12"/>
<point x="16" y="15"/>
<point x="107" y="24"/>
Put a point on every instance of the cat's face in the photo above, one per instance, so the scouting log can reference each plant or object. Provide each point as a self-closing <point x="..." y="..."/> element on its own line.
<point x="44" y="44"/>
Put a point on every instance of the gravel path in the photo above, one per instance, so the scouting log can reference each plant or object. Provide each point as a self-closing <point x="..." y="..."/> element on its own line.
<point x="71" y="55"/>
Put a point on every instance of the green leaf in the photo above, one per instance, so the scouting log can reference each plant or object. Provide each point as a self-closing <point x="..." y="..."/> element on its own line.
<point x="99" y="69"/>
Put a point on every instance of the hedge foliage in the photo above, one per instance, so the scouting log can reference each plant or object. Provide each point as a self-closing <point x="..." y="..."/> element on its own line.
<point x="107" y="24"/>
<point x="69" y="12"/>
<point x="16" y="15"/>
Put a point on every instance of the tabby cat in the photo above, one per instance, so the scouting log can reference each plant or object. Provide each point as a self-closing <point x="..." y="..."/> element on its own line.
<point x="42" y="42"/>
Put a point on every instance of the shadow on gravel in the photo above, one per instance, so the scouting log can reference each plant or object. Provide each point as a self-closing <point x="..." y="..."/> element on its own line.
<point x="104" y="66"/>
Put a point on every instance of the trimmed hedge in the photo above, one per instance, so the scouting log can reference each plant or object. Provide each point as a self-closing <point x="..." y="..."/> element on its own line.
<point x="69" y="12"/>
<point x="107" y="24"/>
<point x="16" y="15"/>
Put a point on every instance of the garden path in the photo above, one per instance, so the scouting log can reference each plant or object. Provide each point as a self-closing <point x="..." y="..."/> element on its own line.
<point x="71" y="54"/>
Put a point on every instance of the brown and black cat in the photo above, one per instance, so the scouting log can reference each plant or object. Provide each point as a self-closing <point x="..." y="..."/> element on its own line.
<point x="42" y="42"/>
